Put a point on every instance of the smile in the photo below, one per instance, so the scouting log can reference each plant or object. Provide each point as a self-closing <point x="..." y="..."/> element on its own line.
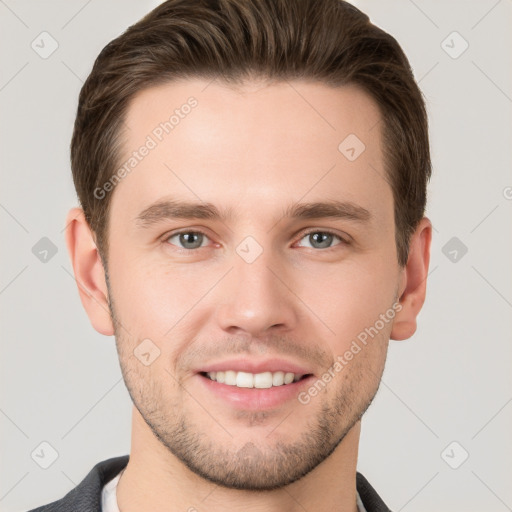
<point x="262" y="380"/>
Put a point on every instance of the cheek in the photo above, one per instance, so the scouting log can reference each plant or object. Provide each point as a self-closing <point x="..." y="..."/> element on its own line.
<point x="151" y="299"/>
<point x="348" y="299"/>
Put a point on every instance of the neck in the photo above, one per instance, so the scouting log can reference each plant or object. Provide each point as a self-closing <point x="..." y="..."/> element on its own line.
<point x="155" y="479"/>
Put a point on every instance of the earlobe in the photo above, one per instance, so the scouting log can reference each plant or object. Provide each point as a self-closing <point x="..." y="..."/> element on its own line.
<point x="414" y="283"/>
<point x="89" y="272"/>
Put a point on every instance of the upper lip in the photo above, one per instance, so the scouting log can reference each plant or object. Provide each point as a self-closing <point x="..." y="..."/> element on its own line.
<point x="252" y="366"/>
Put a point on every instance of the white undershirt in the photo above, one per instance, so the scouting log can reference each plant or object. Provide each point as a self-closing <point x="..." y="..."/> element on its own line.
<point x="109" y="498"/>
<point x="108" y="495"/>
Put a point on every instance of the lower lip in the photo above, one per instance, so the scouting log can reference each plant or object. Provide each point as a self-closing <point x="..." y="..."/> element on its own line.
<point x="256" y="399"/>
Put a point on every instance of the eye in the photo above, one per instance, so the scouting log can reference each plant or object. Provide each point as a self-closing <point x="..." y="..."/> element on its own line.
<point x="322" y="239"/>
<point x="188" y="240"/>
<point x="191" y="240"/>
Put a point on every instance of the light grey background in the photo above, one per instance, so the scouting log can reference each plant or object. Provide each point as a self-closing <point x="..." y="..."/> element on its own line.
<point x="60" y="379"/>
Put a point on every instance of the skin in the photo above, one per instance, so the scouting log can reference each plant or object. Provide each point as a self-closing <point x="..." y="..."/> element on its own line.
<point x="256" y="148"/>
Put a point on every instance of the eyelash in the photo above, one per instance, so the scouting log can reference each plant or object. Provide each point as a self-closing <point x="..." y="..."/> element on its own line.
<point x="342" y="240"/>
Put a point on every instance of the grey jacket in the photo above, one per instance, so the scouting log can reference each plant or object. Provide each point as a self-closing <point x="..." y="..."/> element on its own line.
<point x="86" y="496"/>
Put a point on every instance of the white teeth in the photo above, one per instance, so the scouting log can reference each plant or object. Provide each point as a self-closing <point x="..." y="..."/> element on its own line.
<point x="229" y="378"/>
<point x="278" y="379"/>
<point x="263" y="380"/>
<point x="288" y="378"/>
<point x="244" y="380"/>
<point x="254" y="380"/>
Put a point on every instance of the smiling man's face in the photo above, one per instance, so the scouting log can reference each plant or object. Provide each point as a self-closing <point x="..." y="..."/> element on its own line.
<point x="262" y="280"/>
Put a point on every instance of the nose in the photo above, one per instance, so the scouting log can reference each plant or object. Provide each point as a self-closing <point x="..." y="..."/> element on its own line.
<point x="257" y="298"/>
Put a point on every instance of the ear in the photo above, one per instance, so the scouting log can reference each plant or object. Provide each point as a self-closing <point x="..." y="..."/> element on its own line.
<point x="89" y="271"/>
<point x="413" y="284"/>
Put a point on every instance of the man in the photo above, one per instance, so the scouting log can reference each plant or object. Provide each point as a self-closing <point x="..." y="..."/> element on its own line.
<point x="252" y="177"/>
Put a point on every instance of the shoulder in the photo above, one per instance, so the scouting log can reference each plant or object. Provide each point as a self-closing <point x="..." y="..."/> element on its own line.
<point x="371" y="500"/>
<point x="86" y="496"/>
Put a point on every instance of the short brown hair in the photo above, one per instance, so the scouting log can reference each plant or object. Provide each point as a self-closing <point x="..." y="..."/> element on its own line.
<point x="329" y="41"/>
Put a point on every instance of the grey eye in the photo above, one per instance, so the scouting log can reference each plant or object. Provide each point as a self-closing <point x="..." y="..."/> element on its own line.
<point x="321" y="239"/>
<point x="188" y="239"/>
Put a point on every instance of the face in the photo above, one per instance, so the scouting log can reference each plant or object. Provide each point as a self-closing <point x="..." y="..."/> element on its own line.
<point x="248" y="249"/>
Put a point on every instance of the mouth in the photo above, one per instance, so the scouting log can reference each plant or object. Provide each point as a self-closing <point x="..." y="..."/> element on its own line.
<point x="247" y="391"/>
<point x="264" y="380"/>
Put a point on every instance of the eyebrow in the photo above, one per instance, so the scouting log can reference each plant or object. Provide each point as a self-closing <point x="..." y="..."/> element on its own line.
<point x="176" y="209"/>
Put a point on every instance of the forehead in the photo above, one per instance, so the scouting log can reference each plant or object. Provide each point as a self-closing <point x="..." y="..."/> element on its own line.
<point x="252" y="148"/>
